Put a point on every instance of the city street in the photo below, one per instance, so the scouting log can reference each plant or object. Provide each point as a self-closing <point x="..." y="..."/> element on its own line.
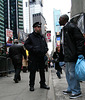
<point x="37" y="34"/>
<point x="20" y="91"/>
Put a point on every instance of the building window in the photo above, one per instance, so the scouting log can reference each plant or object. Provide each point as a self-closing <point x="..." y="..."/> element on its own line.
<point x="31" y="1"/>
<point x="26" y="4"/>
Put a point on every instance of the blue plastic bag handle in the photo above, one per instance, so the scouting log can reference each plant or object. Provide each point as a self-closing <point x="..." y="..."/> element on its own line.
<point x="80" y="58"/>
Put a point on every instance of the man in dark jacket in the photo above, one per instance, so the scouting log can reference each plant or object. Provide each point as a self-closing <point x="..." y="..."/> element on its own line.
<point x="37" y="47"/>
<point x="73" y="44"/>
<point x="16" y="52"/>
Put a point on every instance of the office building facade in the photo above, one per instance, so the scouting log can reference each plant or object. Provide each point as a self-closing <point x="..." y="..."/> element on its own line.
<point x="38" y="17"/>
<point x="26" y="16"/>
<point x="16" y="16"/>
<point x="13" y="14"/>
<point x="2" y="35"/>
<point x="11" y="21"/>
<point x="35" y="7"/>
<point x="57" y="27"/>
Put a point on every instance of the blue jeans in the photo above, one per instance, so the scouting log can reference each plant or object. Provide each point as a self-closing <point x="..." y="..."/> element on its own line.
<point x="73" y="84"/>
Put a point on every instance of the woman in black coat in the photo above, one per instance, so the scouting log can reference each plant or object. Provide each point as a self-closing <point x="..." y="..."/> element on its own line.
<point x="58" y="57"/>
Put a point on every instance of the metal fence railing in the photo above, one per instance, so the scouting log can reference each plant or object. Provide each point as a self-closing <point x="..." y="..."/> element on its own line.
<point x="6" y="65"/>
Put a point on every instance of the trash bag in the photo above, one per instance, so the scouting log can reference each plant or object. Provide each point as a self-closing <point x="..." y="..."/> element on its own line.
<point x="80" y="68"/>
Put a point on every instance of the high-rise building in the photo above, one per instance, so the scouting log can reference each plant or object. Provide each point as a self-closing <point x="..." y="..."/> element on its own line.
<point x="20" y="14"/>
<point x="11" y="17"/>
<point x="35" y="7"/>
<point x="2" y="38"/>
<point x="11" y="22"/>
<point x="26" y="16"/>
<point x="16" y="16"/>
<point x="7" y="14"/>
<point x="13" y="14"/>
<point x="2" y="35"/>
<point x="38" y="17"/>
<point x="57" y="27"/>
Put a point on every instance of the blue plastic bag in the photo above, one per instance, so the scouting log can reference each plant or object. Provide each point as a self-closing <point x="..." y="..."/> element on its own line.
<point x="80" y="68"/>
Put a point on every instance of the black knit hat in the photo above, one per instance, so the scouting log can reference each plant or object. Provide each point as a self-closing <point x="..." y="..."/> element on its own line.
<point x="37" y="24"/>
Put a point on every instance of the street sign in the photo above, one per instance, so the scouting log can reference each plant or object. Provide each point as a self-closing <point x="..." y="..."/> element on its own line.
<point x="48" y="36"/>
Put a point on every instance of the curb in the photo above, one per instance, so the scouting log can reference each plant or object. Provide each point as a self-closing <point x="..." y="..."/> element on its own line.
<point x="50" y="94"/>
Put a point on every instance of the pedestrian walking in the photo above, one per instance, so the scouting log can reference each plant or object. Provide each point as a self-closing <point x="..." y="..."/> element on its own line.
<point x="73" y="44"/>
<point x="16" y="51"/>
<point x="37" y="47"/>
<point x="58" y="58"/>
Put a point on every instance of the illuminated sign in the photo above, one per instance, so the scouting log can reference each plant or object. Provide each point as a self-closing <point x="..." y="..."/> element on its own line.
<point x="58" y="41"/>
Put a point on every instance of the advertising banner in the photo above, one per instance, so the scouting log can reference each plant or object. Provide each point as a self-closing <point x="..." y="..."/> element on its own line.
<point x="22" y="36"/>
<point x="9" y="36"/>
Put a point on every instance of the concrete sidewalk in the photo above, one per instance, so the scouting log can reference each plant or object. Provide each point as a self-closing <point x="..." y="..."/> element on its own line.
<point x="20" y="91"/>
<point x="60" y="84"/>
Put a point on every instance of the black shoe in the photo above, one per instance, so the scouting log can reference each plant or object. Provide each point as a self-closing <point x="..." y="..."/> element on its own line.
<point x="81" y="81"/>
<point x="32" y="88"/>
<point x="67" y="92"/>
<point x="58" y="74"/>
<point x="61" y="72"/>
<point x="16" y="81"/>
<point x="19" y="79"/>
<point x="44" y="87"/>
<point x="74" y="96"/>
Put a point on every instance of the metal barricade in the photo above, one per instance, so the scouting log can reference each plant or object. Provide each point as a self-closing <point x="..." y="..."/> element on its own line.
<point x="6" y="65"/>
<point x="3" y="63"/>
<point x="9" y="66"/>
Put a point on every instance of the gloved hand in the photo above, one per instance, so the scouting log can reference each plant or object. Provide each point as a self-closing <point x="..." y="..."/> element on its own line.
<point x="80" y="56"/>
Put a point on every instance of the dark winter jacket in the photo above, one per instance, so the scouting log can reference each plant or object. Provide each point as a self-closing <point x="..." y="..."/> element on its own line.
<point x="16" y="52"/>
<point x="37" y="47"/>
<point x="73" y="42"/>
<point x="57" y="58"/>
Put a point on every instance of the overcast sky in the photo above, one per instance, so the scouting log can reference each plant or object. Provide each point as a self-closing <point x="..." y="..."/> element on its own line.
<point x="63" y="5"/>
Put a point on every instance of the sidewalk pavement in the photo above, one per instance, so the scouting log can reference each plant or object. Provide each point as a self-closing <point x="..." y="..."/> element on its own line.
<point x="20" y="91"/>
<point x="9" y="90"/>
<point x="60" y="84"/>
